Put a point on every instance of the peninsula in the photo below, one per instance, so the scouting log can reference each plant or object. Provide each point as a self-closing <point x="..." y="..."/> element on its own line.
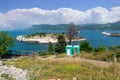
<point x="43" y="38"/>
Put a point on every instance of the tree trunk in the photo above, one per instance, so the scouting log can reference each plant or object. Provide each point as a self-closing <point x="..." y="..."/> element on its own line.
<point x="70" y="41"/>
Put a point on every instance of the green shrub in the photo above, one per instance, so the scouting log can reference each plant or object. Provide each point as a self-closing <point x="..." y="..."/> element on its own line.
<point x="115" y="50"/>
<point x="118" y="55"/>
<point x="50" y="47"/>
<point x="36" y="34"/>
<point x="100" y="49"/>
<point x="85" y="46"/>
<point x="97" y="56"/>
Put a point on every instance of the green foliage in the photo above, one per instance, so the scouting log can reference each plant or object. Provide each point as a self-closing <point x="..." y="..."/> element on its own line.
<point x="61" y="44"/>
<point x="50" y="47"/>
<point x="36" y="34"/>
<point x="115" y="50"/>
<point x="85" y="46"/>
<point x="6" y="76"/>
<point x="46" y="54"/>
<point x="52" y="35"/>
<point x="118" y="55"/>
<point x="6" y="42"/>
<point x="100" y="49"/>
<point x="95" y="56"/>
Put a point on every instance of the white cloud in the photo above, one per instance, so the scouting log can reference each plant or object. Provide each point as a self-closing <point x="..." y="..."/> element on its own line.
<point x="24" y="18"/>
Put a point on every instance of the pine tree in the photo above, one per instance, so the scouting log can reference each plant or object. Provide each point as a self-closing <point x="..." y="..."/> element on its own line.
<point x="50" y="47"/>
<point x="61" y="44"/>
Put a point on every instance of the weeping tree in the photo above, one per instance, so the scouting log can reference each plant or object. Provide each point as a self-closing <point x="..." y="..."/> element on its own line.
<point x="6" y="42"/>
<point x="71" y="31"/>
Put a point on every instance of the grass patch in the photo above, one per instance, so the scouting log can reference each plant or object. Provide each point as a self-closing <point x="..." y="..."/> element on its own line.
<point x="61" y="55"/>
<point x="97" y="56"/>
<point x="46" y="54"/>
<point x="44" y="69"/>
<point x="6" y="76"/>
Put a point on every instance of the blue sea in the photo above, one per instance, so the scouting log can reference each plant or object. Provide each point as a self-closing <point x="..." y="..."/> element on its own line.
<point x="94" y="37"/>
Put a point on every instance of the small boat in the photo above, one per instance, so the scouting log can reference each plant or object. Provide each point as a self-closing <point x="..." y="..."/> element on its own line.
<point x="111" y="34"/>
<point x="106" y="33"/>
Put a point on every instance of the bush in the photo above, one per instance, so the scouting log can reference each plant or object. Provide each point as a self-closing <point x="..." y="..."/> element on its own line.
<point x="100" y="49"/>
<point x="115" y="50"/>
<point x="97" y="56"/>
<point x="50" y="47"/>
<point x="85" y="46"/>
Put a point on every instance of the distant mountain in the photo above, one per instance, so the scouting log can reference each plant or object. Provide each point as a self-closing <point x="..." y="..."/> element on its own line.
<point x="48" y="26"/>
<point x="108" y="26"/>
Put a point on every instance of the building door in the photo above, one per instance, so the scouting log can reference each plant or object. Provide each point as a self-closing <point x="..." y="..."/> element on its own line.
<point x="68" y="51"/>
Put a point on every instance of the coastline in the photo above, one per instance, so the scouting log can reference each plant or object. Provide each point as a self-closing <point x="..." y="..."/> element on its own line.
<point x="45" y="39"/>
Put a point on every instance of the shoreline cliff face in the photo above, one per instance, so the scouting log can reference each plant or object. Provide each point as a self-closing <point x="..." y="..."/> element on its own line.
<point x="42" y="39"/>
<point x="45" y="39"/>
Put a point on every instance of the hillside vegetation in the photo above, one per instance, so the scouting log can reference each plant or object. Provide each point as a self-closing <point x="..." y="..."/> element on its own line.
<point x="65" y="69"/>
<point x="108" y="26"/>
<point x="53" y="35"/>
<point x="88" y="65"/>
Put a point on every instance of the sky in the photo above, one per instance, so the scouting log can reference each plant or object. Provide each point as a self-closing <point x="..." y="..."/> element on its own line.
<point x="20" y="14"/>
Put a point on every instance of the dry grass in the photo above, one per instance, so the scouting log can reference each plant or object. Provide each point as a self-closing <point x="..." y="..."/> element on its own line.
<point x="65" y="69"/>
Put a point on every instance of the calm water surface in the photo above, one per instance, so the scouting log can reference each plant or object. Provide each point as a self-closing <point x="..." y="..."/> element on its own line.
<point x="94" y="37"/>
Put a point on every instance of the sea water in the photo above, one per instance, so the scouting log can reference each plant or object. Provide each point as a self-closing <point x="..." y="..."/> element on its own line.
<point x="94" y="37"/>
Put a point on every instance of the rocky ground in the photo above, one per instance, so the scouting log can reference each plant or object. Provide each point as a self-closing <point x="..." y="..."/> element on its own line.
<point x="16" y="73"/>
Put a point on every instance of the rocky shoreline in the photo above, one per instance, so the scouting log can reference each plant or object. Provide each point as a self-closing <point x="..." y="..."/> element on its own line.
<point x="45" y="39"/>
<point x="15" y="73"/>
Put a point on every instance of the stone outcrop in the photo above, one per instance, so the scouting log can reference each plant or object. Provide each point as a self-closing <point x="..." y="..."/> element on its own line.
<point x="16" y="73"/>
<point x="1" y="63"/>
<point x="45" y="39"/>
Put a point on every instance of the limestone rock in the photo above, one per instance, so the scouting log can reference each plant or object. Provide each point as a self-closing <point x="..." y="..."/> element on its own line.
<point x="16" y="73"/>
<point x="1" y="63"/>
